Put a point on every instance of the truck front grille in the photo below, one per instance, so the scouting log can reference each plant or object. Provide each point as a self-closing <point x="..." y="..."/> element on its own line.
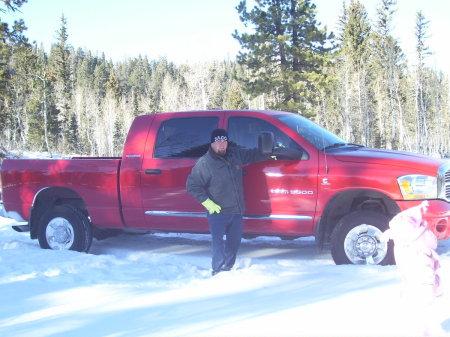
<point x="447" y="185"/>
<point x="444" y="182"/>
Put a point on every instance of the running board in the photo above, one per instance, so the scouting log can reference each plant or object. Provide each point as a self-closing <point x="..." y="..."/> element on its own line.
<point x="21" y="228"/>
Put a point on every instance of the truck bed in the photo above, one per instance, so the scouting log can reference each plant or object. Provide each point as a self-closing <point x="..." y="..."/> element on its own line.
<point x="95" y="180"/>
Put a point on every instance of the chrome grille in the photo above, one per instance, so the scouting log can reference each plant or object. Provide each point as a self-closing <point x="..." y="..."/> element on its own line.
<point x="444" y="182"/>
<point x="447" y="185"/>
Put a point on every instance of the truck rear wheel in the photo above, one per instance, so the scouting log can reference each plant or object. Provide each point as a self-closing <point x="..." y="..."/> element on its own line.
<point x="357" y="239"/>
<point x="65" y="227"/>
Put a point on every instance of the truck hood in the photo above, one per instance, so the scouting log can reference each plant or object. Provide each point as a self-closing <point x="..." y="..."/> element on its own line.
<point x="367" y="155"/>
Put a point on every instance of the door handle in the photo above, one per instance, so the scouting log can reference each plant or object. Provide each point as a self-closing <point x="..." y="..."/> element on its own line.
<point x="153" y="171"/>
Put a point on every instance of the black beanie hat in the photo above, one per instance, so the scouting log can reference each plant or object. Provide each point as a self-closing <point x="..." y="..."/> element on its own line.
<point x="219" y="134"/>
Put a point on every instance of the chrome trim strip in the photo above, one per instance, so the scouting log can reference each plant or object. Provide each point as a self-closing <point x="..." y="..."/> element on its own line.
<point x="133" y="156"/>
<point x="247" y="217"/>
<point x="172" y="213"/>
<point x="37" y="194"/>
<point x="278" y="217"/>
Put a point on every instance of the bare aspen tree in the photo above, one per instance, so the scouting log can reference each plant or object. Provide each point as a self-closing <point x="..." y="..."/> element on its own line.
<point x="172" y="96"/>
<point x="44" y="80"/>
<point x="421" y="100"/>
<point x="386" y="63"/>
<point x="353" y="58"/>
<point x="197" y="82"/>
<point x="91" y="133"/>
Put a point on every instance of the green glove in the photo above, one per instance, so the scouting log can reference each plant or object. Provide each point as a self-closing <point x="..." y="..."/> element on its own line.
<point x="211" y="206"/>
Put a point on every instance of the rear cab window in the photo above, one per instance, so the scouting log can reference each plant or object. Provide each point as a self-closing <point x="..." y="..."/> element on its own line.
<point x="184" y="137"/>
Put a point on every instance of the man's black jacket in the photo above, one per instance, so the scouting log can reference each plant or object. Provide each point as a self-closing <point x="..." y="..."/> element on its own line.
<point x="219" y="178"/>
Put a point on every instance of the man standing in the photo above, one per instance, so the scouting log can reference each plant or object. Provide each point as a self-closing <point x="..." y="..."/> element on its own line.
<point x="216" y="183"/>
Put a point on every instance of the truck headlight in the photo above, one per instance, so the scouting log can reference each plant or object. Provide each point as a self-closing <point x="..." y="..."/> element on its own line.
<point x="416" y="186"/>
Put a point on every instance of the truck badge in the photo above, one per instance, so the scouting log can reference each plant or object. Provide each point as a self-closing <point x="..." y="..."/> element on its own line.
<point x="325" y="181"/>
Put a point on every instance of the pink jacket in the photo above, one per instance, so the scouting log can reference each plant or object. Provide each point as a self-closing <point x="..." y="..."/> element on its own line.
<point x="414" y="247"/>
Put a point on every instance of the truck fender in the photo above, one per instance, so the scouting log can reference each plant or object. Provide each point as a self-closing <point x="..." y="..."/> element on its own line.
<point x="47" y="198"/>
<point x="346" y="202"/>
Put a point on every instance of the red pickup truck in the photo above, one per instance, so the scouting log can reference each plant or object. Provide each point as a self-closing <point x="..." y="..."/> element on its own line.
<point x="317" y="185"/>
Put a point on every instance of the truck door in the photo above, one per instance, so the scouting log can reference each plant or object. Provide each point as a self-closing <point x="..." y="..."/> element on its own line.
<point x="173" y="146"/>
<point x="280" y="194"/>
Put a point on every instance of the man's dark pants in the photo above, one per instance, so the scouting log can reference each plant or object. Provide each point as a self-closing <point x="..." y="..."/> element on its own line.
<point x="224" y="251"/>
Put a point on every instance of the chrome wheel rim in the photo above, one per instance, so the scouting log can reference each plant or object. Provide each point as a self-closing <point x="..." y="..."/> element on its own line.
<point x="363" y="245"/>
<point x="59" y="234"/>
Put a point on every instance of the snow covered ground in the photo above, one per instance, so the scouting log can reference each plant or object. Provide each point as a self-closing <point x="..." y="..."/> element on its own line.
<point x="160" y="285"/>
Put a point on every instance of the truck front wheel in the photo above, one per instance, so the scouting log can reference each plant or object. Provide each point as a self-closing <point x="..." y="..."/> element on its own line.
<point x="65" y="227"/>
<point x="357" y="239"/>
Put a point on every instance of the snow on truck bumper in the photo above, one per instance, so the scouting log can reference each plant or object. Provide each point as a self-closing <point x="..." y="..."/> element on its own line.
<point x="21" y="224"/>
<point x="437" y="216"/>
<point x="2" y="210"/>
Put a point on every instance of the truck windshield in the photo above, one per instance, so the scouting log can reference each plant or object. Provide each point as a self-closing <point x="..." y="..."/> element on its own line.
<point x="320" y="138"/>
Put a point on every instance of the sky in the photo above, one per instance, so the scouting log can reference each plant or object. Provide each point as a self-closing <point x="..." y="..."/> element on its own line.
<point x="200" y="30"/>
<point x="160" y="285"/>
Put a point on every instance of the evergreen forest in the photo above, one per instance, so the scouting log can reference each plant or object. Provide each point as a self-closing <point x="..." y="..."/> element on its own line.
<point x="355" y="82"/>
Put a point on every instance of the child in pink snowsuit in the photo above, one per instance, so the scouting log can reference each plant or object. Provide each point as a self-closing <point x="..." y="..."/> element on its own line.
<point x="417" y="261"/>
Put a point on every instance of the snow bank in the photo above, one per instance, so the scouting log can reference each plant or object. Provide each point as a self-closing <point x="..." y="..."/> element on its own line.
<point x="160" y="285"/>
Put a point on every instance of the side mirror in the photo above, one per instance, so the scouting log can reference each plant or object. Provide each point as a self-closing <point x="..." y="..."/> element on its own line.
<point x="265" y="143"/>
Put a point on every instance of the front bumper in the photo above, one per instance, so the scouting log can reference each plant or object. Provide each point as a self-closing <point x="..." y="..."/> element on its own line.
<point x="437" y="216"/>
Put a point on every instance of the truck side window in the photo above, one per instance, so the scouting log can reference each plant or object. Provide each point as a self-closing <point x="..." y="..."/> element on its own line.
<point x="244" y="132"/>
<point x="184" y="137"/>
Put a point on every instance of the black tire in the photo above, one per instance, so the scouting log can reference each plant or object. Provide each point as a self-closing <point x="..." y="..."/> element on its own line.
<point x="65" y="227"/>
<point x="356" y="239"/>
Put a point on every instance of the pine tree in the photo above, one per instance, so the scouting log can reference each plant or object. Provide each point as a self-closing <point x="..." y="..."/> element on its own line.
<point x="235" y="99"/>
<point x="5" y="54"/>
<point x="60" y="63"/>
<point x="8" y="37"/>
<point x="11" y="5"/>
<point x="15" y="83"/>
<point x="285" y="54"/>
<point x="72" y="133"/>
